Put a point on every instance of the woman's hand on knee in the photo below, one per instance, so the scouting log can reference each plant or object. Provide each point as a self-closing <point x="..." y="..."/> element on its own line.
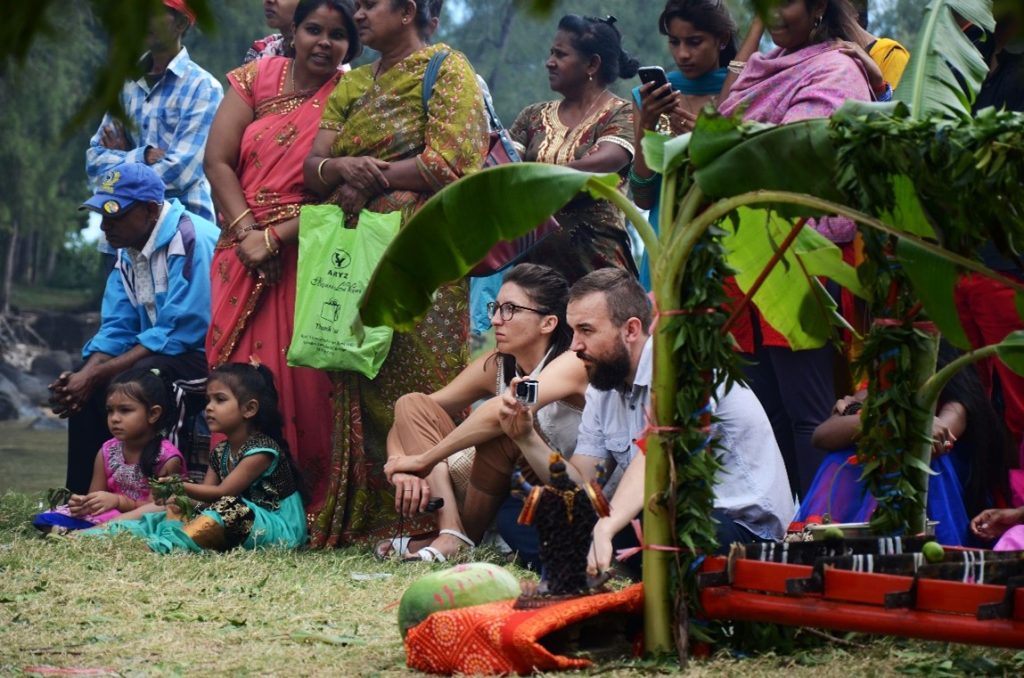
<point x="410" y="465"/>
<point x="411" y="494"/>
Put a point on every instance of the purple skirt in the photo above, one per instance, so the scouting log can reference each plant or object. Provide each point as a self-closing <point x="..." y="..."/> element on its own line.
<point x="838" y="491"/>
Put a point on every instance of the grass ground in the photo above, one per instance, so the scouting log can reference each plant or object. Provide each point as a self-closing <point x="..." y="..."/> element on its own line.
<point x="107" y="605"/>
<point x="40" y="298"/>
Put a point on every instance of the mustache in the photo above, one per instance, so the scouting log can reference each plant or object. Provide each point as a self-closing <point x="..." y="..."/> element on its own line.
<point x="586" y="357"/>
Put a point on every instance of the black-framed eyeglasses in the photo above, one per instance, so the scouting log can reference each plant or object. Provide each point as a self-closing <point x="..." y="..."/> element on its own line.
<point x="508" y="310"/>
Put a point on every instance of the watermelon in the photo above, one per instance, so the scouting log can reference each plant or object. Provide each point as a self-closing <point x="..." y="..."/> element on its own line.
<point x="460" y="586"/>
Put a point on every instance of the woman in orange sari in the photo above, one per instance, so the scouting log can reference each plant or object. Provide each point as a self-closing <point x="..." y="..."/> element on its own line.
<point x="262" y="133"/>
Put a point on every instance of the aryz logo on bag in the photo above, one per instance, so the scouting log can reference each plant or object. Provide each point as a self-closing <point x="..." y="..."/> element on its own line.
<point x="341" y="259"/>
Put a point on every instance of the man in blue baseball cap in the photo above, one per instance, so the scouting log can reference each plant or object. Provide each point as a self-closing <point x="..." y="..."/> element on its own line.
<point x="156" y="306"/>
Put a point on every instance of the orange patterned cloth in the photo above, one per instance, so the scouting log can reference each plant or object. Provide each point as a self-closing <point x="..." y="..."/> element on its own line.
<point x="495" y="638"/>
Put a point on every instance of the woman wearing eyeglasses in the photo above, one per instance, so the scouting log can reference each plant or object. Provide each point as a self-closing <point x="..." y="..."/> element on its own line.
<point x="430" y="456"/>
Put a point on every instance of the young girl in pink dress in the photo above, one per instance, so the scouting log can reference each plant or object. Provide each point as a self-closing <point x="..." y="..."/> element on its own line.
<point x="138" y="403"/>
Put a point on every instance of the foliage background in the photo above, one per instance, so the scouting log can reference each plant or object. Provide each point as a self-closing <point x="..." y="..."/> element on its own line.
<point x="42" y="173"/>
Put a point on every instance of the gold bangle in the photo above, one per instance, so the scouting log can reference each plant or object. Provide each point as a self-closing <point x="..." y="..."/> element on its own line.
<point x="248" y="210"/>
<point x="320" y="171"/>
<point x="266" y="239"/>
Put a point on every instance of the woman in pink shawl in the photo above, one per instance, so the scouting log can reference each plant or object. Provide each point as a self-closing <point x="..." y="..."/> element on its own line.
<point x="805" y="76"/>
<point x="260" y="137"/>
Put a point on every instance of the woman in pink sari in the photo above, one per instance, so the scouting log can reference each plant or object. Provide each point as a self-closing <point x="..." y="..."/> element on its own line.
<point x="808" y="75"/>
<point x="262" y="133"/>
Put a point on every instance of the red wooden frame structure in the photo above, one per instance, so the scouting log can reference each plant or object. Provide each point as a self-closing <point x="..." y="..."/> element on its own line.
<point x="868" y="602"/>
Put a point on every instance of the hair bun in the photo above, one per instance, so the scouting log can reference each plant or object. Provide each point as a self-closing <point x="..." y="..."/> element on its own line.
<point x="610" y="20"/>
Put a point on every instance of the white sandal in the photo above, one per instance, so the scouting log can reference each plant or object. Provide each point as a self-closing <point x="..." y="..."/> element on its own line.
<point x="458" y="535"/>
<point x="387" y="549"/>
<point x="429" y="554"/>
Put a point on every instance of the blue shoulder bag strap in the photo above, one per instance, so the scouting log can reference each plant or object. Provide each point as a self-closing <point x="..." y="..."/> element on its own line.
<point x="430" y="77"/>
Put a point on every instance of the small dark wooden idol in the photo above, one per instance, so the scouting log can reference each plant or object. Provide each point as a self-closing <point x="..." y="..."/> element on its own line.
<point x="564" y="514"/>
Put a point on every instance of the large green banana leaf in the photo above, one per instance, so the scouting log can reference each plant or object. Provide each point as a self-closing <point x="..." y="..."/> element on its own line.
<point x="456" y="229"/>
<point x="1011" y="351"/>
<point x="907" y="211"/>
<point x="663" y="153"/>
<point x="942" y="50"/>
<point x="934" y="278"/>
<point x="791" y="299"/>
<point x="800" y="158"/>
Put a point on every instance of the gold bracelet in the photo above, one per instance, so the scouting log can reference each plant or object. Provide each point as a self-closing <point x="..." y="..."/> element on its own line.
<point x="248" y="210"/>
<point x="266" y="239"/>
<point x="320" y="171"/>
<point x="736" y="66"/>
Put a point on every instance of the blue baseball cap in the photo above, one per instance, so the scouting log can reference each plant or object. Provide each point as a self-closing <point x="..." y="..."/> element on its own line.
<point x="123" y="186"/>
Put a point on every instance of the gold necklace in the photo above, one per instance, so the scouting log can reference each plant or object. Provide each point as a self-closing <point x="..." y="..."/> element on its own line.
<point x="587" y="113"/>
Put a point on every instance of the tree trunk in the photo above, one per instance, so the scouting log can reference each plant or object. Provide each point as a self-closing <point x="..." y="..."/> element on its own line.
<point x="511" y="9"/>
<point x="5" y="292"/>
<point x="51" y="264"/>
<point x="32" y="247"/>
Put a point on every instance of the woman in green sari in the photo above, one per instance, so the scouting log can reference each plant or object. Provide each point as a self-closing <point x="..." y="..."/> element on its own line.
<point x="381" y="149"/>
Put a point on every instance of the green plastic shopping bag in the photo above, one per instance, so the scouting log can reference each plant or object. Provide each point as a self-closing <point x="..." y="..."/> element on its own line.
<point x="335" y="265"/>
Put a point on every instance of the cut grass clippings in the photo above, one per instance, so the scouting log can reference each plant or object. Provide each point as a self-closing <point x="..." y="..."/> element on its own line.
<point x="109" y="605"/>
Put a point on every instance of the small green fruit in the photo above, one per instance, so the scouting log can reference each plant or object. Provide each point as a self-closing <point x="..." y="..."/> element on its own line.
<point x="833" y="533"/>
<point x="933" y="552"/>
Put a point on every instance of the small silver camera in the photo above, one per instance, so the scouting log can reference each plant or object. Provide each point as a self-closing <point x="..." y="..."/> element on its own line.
<point x="526" y="391"/>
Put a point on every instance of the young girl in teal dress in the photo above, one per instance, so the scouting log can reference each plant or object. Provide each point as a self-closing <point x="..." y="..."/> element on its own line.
<point x="138" y="406"/>
<point x="250" y="497"/>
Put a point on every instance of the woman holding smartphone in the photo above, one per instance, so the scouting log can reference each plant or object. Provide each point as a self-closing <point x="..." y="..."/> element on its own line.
<point x="702" y="39"/>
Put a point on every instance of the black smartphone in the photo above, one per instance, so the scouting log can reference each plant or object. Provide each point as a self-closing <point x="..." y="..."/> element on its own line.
<point x="655" y="74"/>
<point x="434" y="504"/>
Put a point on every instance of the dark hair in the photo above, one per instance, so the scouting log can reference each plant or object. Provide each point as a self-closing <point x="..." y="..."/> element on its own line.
<point x="709" y="16"/>
<point x="423" y="14"/>
<point x="248" y="382"/>
<point x="343" y="7"/>
<point x="861" y="8"/>
<point x="181" y="21"/>
<point x="625" y="297"/>
<point x="598" y="37"/>
<point x="985" y="438"/>
<point x="549" y="292"/>
<point x="150" y="391"/>
<point x="435" y="7"/>
<point x="839" y="22"/>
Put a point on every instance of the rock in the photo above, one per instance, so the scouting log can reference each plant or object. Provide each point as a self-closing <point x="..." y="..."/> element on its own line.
<point x="31" y="388"/>
<point x="8" y="407"/>
<point x="48" y="366"/>
<point x="48" y="423"/>
<point x="20" y="396"/>
<point x="66" y="331"/>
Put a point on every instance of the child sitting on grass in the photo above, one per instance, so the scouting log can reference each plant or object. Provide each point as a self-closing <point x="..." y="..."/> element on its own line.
<point x="251" y="488"/>
<point x="138" y="403"/>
